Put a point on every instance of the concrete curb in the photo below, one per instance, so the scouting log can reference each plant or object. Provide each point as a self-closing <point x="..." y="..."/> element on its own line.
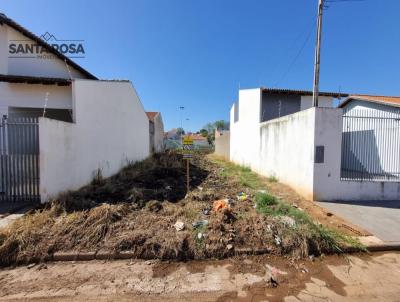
<point x="372" y="244"/>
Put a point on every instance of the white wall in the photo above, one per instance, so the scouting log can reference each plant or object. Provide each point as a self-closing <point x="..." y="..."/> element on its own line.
<point x="101" y="138"/>
<point x="323" y="101"/>
<point x="158" y="133"/>
<point x="287" y="150"/>
<point x="33" y="96"/>
<point x="245" y="134"/>
<point x="222" y="144"/>
<point x="36" y="66"/>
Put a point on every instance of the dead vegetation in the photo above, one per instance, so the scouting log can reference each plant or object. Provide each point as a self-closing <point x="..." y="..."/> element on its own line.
<point x="136" y="211"/>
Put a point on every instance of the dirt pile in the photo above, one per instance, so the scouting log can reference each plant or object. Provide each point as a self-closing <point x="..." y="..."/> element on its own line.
<point x="137" y="211"/>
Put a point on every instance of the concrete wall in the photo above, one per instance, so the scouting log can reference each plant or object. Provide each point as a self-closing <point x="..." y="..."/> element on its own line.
<point x="222" y="145"/>
<point x="35" y="66"/>
<point x="287" y="150"/>
<point x="245" y="133"/>
<point x="158" y="133"/>
<point x="34" y="96"/>
<point x="278" y="105"/>
<point x="100" y="139"/>
<point x="323" y="101"/>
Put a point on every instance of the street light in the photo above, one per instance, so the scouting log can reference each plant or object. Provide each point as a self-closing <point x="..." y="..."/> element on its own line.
<point x="181" y="108"/>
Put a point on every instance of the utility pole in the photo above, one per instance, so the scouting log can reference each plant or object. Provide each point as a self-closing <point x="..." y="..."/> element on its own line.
<point x="317" y="53"/>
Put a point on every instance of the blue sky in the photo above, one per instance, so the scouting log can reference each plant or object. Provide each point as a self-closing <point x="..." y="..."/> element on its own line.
<point x="197" y="54"/>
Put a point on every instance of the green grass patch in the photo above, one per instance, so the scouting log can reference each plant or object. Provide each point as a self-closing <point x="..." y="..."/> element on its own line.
<point x="272" y="179"/>
<point x="242" y="174"/>
<point x="317" y="236"/>
<point x="327" y="239"/>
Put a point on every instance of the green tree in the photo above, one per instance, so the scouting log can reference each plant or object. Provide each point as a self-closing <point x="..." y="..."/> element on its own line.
<point x="204" y="132"/>
<point x="221" y="125"/>
<point x="180" y="131"/>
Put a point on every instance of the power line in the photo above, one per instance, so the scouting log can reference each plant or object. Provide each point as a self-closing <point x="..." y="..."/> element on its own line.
<point x="295" y="58"/>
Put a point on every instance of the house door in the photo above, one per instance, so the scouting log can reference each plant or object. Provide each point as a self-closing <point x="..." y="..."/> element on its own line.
<point x="19" y="160"/>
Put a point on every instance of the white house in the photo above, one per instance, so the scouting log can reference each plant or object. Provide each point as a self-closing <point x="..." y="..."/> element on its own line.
<point x="323" y="153"/>
<point x="259" y="105"/>
<point x="61" y="126"/>
<point x="156" y="131"/>
<point x="374" y="123"/>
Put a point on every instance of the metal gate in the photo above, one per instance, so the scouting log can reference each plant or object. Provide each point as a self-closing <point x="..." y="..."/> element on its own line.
<point x="19" y="160"/>
<point x="371" y="145"/>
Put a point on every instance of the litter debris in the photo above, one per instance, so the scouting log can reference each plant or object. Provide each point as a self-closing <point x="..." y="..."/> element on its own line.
<point x="242" y="196"/>
<point x="179" y="226"/>
<point x="272" y="282"/>
<point x="229" y="246"/>
<point x="200" y="223"/>
<point x="200" y="236"/>
<point x="200" y="188"/>
<point x="220" y="205"/>
<point x="274" y="271"/>
<point x="206" y="211"/>
<point x="32" y="265"/>
<point x="278" y="240"/>
<point x="42" y="266"/>
<point x="304" y="270"/>
<point x="288" y="221"/>
<point x="262" y="191"/>
<point x="312" y="258"/>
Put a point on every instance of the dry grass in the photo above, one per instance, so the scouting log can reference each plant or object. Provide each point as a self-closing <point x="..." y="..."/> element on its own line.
<point x="144" y="202"/>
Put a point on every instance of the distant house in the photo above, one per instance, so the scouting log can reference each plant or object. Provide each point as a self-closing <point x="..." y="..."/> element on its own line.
<point x="156" y="130"/>
<point x="374" y="122"/>
<point x="371" y="102"/>
<point x="199" y="140"/>
<point x="60" y="125"/>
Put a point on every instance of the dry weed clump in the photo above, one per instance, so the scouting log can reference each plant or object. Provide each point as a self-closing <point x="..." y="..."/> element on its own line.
<point x="136" y="210"/>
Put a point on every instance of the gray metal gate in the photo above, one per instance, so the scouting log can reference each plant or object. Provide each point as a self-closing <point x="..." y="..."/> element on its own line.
<point x="19" y="160"/>
<point x="371" y="145"/>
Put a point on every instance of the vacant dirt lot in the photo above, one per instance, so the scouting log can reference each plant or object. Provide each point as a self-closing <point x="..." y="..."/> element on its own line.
<point x="332" y="278"/>
<point x="144" y="209"/>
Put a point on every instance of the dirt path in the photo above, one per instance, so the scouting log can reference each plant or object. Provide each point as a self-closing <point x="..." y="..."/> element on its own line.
<point x="334" y="278"/>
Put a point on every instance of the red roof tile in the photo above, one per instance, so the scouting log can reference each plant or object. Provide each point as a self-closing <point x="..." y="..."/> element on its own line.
<point x="151" y="115"/>
<point x="386" y="100"/>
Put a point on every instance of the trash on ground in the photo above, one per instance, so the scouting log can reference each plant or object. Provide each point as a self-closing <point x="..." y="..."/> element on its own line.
<point x="42" y="266"/>
<point x="200" y="236"/>
<point x="200" y="223"/>
<point x="272" y="282"/>
<point x="278" y="240"/>
<point x="32" y="265"/>
<point x="288" y="221"/>
<point x="206" y="211"/>
<point x="242" y="196"/>
<point x="179" y="226"/>
<point x="220" y="205"/>
<point x="229" y="246"/>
